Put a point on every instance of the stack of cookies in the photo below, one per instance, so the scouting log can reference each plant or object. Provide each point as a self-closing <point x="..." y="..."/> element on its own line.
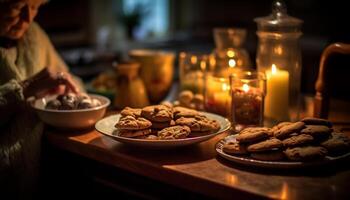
<point x="163" y="122"/>
<point x="308" y="139"/>
<point x="188" y="99"/>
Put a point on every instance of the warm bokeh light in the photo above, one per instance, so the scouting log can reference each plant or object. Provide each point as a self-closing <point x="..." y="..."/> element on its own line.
<point x="284" y="191"/>
<point x="232" y="63"/>
<point x="203" y="65"/>
<point x="182" y="55"/>
<point x="225" y="87"/>
<point x="278" y="50"/>
<point x="245" y="87"/>
<point x="231" y="179"/>
<point x="239" y="62"/>
<point x="193" y="59"/>
<point x="212" y="61"/>
<point x="230" y="53"/>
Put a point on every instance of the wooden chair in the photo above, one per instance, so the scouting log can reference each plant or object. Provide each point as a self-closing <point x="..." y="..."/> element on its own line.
<point x="321" y="102"/>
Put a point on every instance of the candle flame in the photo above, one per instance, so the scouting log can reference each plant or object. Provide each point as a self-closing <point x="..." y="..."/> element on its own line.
<point x="245" y="87"/>
<point x="232" y="63"/>
<point x="203" y="65"/>
<point x="225" y="87"/>
<point x="273" y="69"/>
<point x="212" y="61"/>
<point x="193" y="59"/>
<point x="278" y="50"/>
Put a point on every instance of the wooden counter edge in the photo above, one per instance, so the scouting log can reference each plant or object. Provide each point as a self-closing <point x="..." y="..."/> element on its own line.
<point x="172" y="177"/>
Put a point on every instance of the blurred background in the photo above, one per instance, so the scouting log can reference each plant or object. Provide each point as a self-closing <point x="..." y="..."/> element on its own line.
<point x="91" y="34"/>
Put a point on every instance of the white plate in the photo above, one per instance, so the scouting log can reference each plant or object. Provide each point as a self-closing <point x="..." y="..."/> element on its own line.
<point x="246" y="160"/>
<point x="106" y="127"/>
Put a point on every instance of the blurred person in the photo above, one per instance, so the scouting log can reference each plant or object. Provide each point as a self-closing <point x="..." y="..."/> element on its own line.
<point x="29" y="66"/>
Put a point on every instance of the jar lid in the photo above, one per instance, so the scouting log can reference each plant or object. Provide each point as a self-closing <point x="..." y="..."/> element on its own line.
<point x="278" y="20"/>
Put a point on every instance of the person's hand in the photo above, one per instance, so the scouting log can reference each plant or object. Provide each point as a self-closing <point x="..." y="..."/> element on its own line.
<point x="48" y="81"/>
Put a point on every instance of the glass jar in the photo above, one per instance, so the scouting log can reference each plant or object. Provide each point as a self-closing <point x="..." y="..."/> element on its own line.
<point x="229" y="54"/>
<point x="192" y="68"/>
<point x="248" y="89"/>
<point x="217" y="96"/>
<point x="279" y="56"/>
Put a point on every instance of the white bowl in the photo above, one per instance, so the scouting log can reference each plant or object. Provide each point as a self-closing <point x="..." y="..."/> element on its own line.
<point x="71" y="119"/>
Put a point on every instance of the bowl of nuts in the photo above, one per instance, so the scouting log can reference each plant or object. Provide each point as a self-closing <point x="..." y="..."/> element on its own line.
<point x="71" y="111"/>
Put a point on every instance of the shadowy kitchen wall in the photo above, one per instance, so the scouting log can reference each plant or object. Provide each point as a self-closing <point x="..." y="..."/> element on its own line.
<point x="96" y="25"/>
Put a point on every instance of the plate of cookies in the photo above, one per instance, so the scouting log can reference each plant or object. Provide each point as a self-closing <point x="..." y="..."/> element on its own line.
<point x="309" y="142"/>
<point x="162" y="126"/>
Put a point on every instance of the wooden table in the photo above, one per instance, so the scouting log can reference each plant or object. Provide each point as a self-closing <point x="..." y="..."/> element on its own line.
<point x="198" y="169"/>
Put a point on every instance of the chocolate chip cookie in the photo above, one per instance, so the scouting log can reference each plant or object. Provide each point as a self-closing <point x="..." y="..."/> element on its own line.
<point x="317" y="121"/>
<point x="279" y="126"/>
<point x="133" y="133"/>
<point x="198" y="99"/>
<point x="317" y="131"/>
<point x="157" y="113"/>
<point x="253" y="134"/>
<point x="167" y="104"/>
<point x="337" y="144"/>
<point x="234" y="147"/>
<point x="286" y="130"/>
<point x="161" y="125"/>
<point x="132" y="123"/>
<point x="184" y="112"/>
<point x="186" y="97"/>
<point x="298" y="140"/>
<point x="148" y="137"/>
<point x="199" y="123"/>
<point x="268" y="155"/>
<point x="127" y="111"/>
<point x="266" y="145"/>
<point x="174" y="132"/>
<point x="305" y="153"/>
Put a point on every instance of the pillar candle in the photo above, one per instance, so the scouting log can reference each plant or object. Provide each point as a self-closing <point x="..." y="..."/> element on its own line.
<point x="222" y="99"/>
<point x="277" y="97"/>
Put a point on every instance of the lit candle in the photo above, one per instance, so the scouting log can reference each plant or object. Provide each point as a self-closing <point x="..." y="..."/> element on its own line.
<point x="217" y="96"/>
<point x="247" y="105"/>
<point x="222" y="99"/>
<point x="276" y="102"/>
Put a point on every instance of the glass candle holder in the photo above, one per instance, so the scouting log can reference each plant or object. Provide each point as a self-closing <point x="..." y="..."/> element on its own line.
<point x="192" y="68"/>
<point x="279" y="56"/>
<point x="229" y="53"/>
<point x="217" y="96"/>
<point x="248" y="90"/>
